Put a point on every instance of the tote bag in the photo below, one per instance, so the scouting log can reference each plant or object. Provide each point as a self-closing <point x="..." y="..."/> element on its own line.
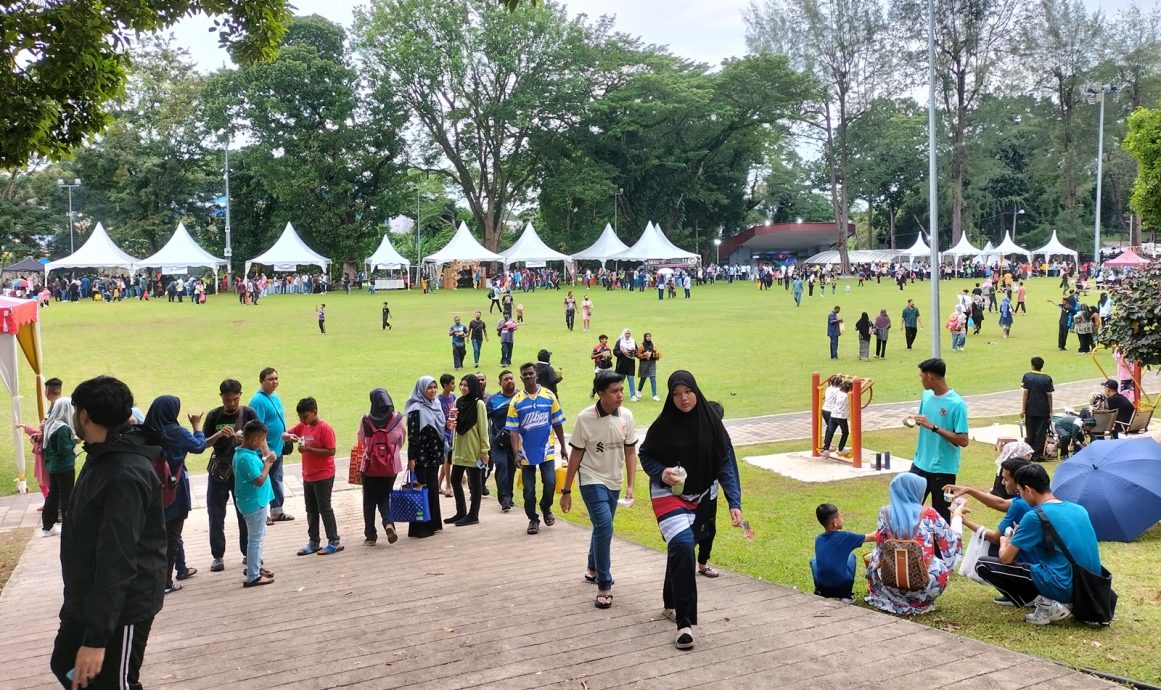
<point x="409" y="502"/>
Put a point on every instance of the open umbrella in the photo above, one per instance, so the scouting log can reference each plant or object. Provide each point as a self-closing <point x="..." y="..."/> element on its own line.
<point x="1118" y="482"/>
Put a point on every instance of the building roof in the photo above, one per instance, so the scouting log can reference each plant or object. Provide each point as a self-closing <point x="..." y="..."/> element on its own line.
<point x="783" y="237"/>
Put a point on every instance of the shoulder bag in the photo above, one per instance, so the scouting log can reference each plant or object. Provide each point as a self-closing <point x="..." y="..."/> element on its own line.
<point x="1093" y="599"/>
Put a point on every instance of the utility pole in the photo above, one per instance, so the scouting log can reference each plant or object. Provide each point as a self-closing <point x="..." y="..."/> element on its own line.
<point x="72" y="225"/>
<point x="932" y="190"/>
<point x="229" y="251"/>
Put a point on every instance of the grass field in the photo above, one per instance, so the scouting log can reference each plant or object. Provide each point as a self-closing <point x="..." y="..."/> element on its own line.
<point x="752" y="350"/>
<point x="781" y="511"/>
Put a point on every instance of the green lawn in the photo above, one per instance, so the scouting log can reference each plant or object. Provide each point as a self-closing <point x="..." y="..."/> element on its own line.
<point x="752" y="350"/>
<point x="781" y="511"/>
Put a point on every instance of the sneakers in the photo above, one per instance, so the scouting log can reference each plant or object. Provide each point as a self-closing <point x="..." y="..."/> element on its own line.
<point x="392" y="536"/>
<point x="1003" y="601"/>
<point x="635" y="398"/>
<point x="48" y="532"/>
<point x="217" y="566"/>
<point x="467" y="520"/>
<point x="684" y="639"/>
<point x="1049" y="611"/>
<point x="656" y="398"/>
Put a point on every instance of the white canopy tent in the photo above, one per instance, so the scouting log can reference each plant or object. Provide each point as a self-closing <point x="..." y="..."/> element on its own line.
<point x="530" y="248"/>
<point x="919" y="250"/>
<point x="97" y="252"/>
<point x="182" y="252"/>
<point x="858" y="256"/>
<point x="654" y="245"/>
<point x="988" y="254"/>
<point x="288" y="253"/>
<point x="962" y="248"/>
<point x="462" y="247"/>
<point x="386" y="257"/>
<point x="1009" y="247"/>
<point x="1056" y="248"/>
<point x="606" y="246"/>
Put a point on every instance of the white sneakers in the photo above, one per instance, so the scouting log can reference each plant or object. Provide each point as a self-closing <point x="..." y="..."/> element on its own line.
<point x="656" y="398"/>
<point x="54" y="531"/>
<point x="1048" y="611"/>
<point x="634" y="398"/>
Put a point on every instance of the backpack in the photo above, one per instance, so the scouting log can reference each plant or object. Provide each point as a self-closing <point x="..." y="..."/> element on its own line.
<point x="221" y="467"/>
<point x="380" y="456"/>
<point x="169" y="480"/>
<point x="902" y="564"/>
<point x="952" y="322"/>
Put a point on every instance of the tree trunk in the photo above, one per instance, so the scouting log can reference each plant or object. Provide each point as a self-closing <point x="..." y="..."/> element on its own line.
<point x="891" y="224"/>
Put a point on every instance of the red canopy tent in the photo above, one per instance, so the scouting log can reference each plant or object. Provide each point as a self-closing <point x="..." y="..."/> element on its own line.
<point x="20" y="329"/>
<point x="1127" y="259"/>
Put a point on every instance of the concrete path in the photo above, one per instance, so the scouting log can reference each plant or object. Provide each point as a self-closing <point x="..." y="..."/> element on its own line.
<point x="489" y="606"/>
<point x="20" y="510"/>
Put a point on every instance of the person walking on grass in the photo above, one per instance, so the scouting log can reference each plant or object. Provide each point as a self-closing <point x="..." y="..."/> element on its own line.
<point x="586" y="313"/>
<point x="386" y="316"/>
<point x="477" y="333"/>
<point x="316" y="442"/>
<point x="882" y="329"/>
<point x="112" y="552"/>
<point x="458" y="333"/>
<point x="605" y="439"/>
<point x="1036" y="407"/>
<point x="569" y="310"/>
<point x="911" y="322"/>
<point x="533" y="417"/>
<point x="863" y="329"/>
<point x="834" y="328"/>
<point x="322" y="319"/>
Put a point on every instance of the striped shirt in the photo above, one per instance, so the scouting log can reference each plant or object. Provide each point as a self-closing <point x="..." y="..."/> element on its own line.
<point x="533" y="415"/>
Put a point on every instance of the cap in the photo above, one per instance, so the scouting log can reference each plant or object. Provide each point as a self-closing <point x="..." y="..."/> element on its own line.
<point x="1111" y="384"/>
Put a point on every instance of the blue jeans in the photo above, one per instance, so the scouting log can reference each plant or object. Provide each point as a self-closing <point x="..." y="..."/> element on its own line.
<point x="601" y="502"/>
<point x="834" y="347"/>
<point x="652" y="382"/>
<point x="845" y="590"/>
<point x="505" y="354"/>
<point x="217" y="496"/>
<point x="502" y="462"/>
<point x="276" y="484"/>
<point x="958" y="340"/>
<point x="548" y="479"/>
<point x="632" y="385"/>
<point x="255" y="535"/>
<point x="476" y="345"/>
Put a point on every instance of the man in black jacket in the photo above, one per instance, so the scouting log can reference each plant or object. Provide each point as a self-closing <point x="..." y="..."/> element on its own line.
<point x="113" y="550"/>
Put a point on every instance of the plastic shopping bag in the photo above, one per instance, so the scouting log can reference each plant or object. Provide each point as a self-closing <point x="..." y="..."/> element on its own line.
<point x="976" y="548"/>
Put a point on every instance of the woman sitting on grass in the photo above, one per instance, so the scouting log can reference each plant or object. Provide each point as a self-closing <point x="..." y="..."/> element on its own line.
<point x="906" y="519"/>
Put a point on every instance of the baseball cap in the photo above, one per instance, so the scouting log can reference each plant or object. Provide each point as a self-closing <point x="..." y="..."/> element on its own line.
<point x="1112" y="384"/>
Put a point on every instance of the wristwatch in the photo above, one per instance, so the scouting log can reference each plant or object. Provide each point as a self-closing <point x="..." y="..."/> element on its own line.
<point x="934" y="429"/>
<point x="565" y="492"/>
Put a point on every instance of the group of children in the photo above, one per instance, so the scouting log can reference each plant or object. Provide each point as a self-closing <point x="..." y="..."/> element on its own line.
<point x="836" y="409"/>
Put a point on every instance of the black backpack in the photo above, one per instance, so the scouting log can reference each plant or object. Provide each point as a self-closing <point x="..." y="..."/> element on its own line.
<point x="221" y="467"/>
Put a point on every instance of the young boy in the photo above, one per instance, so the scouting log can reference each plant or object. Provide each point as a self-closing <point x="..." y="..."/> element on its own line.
<point x="322" y="318"/>
<point x="447" y="401"/>
<point x="316" y="442"/>
<point x="833" y="565"/>
<point x="386" y="316"/>
<point x="253" y="494"/>
<point x="519" y="313"/>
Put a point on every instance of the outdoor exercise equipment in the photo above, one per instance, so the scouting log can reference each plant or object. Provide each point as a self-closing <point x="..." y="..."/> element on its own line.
<point x="859" y="388"/>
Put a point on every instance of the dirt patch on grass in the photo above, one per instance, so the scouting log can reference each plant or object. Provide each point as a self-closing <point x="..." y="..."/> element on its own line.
<point x="12" y="545"/>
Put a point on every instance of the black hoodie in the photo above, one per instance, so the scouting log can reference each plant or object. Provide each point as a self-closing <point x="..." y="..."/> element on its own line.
<point x="112" y="549"/>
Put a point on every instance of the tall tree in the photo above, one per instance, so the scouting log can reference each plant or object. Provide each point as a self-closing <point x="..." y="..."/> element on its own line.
<point x="1144" y="144"/>
<point x="489" y="89"/>
<point x="887" y="161"/>
<point x="840" y="43"/>
<point x="66" y="62"/>
<point x="971" y="39"/>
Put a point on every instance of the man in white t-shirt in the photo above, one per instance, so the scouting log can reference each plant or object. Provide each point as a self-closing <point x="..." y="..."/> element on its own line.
<point x="604" y="439"/>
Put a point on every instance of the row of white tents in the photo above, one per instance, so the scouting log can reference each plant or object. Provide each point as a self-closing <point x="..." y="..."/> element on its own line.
<point x="962" y="250"/>
<point x="181" y="252"/>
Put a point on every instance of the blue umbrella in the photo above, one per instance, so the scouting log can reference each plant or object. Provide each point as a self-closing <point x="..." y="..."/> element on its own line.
<point x="1118" y="482"/>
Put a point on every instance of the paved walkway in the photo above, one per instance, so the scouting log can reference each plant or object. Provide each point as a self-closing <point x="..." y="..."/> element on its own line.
<point x="488" y="606"/>
<point x="20" y="510"/>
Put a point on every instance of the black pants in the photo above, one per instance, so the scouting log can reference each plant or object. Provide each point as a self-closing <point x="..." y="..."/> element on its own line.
<point x="60" y="487"/>
<point x="1062" y="337"/>
<point x="322" y="326"/>
<point x="569" y="318"/>
<point x="475" y="484"/>
<point x="217" y="496"/>
<point x="1037" y="428"/>
<point x="833" y="424"/>
<point x="1020" y="307"/>
<point x="429" y="477"/>
<point x="173" y="530"/>
<point x="376" y="496"/>
<point x="318" y="504"/>
<point x="935" y="483"/>
<point x="123" y="655"/>
<point x="680" y="589"/>
<point x="880" y="347"/>
<point x="707" y="521"/>
<point x="1014" y="580"/>
<point x="910" y="336"/>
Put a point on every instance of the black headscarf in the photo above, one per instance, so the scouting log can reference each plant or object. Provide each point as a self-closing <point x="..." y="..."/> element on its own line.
<point x="382" y="407"/>
<point x="695" y="440"/>
<point x="161" y="426"/>
<point x="466" y="411"/>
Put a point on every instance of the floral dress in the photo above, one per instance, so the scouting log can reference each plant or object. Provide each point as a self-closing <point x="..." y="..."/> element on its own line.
<point x="933" y="530"/>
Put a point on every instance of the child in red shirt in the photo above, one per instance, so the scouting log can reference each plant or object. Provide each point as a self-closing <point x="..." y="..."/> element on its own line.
<point x="316" y="442"/>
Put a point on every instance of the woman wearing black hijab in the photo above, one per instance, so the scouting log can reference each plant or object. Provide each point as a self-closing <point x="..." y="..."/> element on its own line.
<point x="469" y="451"/>
<point x="687" y="436"/>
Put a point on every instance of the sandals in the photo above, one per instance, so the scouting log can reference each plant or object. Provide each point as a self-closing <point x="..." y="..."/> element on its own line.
<point x="708" y="571"/>
<point x="308" y="550"/>
<point x="175" y="587"/>
<point x="591" y="579"/>
<point x="534" y="527"/>
<point x="604" y="600"/>
<point x="330" y="549"/>
<point x="261" y="580"/>
<point x="549" y="519"/>
<point x="281" y="517"/>
<point x="190" y="572"/>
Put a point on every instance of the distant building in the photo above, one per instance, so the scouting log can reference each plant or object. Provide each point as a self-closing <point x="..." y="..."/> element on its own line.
<point x="779" y="241"/>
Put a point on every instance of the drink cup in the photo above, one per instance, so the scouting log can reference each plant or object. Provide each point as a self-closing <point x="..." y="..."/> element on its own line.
<point x="679" y="487"/>
<point x="948" y="496"/>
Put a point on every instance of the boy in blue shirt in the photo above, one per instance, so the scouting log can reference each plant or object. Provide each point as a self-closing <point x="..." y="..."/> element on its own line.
<point x="252" y="495"/>
<point x="833" y="565"/>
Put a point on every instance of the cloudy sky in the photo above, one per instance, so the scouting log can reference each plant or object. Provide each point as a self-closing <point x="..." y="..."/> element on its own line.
<point x="704" y="30"/>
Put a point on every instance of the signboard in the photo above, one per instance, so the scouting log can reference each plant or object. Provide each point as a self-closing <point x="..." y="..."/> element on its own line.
<point x="175" y="270"/>
<point x="535" y="264"/>
<point x="285" y="268"/>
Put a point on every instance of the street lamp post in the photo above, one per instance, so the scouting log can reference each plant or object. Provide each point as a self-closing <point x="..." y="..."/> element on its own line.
<point x="1016" y="211"/>
<point x="932" y="192"/>
<point x="418" y="254"/>
<point x="717" y="251"/>
<point x="1097" y="92"/>
<point x="229" y="250"/>
<point x="620" y="191"/>
<point x="63" y="185"/>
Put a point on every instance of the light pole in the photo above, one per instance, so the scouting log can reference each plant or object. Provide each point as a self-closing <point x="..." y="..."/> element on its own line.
<point x="717" y="251"/>
<point x="1097" y="92"/>
<point x="932" y="190"/>
<point x="418" y="255"/>
<point x="1015" y="212"/>
<point x="229" y="251"/>
<point x="620" y="191"/>
<point x="63" y="185"/>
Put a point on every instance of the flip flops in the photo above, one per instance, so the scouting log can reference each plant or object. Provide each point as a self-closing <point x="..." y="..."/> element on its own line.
<point x="604" y="600"/>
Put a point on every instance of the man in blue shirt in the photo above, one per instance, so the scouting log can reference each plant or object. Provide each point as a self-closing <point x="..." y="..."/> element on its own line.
<point x="943" y="431"/>
<point x="268" y="408"/>
<point x="500" y="441"/>
<point x="833" y="330"/>
<point x="458" y="332"/>
<point x="533" y="417"/>
<point x="1046" y="581"/>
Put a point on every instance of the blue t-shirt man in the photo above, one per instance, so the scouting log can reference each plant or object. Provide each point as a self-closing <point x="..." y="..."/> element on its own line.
<point x="933" y="453"/>
<point x="533" y="415"/>
<point x="457" y="331"/>
<point x="1051" y="571"/>
<point x="269" y="410"/>
<point x="833" y="565"/>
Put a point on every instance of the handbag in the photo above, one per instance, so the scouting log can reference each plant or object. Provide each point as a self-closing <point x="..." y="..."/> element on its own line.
<point x="353" y="474"/>
<point x="409" y="502"/>
<point x="1093" y="599"/>
<point x="976" y="548"/>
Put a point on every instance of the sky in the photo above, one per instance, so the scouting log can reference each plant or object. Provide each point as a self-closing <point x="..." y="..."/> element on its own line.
<point x="704" y="30"/>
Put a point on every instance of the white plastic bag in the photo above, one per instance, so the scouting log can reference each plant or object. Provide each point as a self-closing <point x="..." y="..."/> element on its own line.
<point x="977" y="547"/>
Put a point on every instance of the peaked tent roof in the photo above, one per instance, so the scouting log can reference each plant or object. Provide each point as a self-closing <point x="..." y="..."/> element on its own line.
<point x="963" y="248"/>
<point x="531" y="248"/>
<point x="24" y="266"/>
<point x="1055" y="248"/>
<point x="607" y="245"/>
<point x="653" y="245"/>
<point x="1127" y="259"/>
<point x="857" y="256"/>
<point x="918" y="249"/>
<point x="1009" y="247"/>
<point x="462" y="247"/>
<point x="97" y="252"/>
<point x="289" y="250"/>
<point x="386" y="256"/>
<point x="181" y="250"/>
